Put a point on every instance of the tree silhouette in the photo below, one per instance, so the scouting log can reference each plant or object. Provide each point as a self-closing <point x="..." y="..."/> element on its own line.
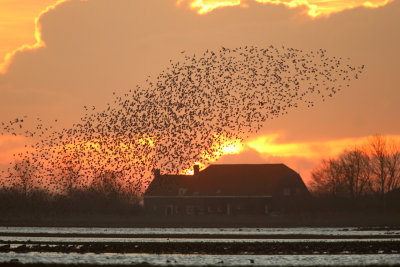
<point x="23" y="176"/>
<point x="371" y="169"/>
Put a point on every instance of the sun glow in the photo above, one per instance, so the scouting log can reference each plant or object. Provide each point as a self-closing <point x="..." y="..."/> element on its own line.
<point x="219" y="149"/>
<point x="314" y="8"/>
<point x="191" y="171"/>
<point x="232" y="147"/>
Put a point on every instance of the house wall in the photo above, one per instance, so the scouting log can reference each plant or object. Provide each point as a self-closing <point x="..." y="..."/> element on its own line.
<point x="207" y="206"/>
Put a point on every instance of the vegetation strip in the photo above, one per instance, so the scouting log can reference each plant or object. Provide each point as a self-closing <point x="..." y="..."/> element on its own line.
<point x="255" y="248"/>
<point x="143" y="264"/>
<point x="206" y="236"/>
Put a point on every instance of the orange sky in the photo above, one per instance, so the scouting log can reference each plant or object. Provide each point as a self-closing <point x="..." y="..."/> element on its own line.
<point x="94" y="47"/>
<point x="17" y="23"/>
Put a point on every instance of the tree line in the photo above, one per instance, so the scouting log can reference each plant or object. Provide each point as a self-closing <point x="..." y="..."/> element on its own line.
<point x="26" y="191"/>
<point x="365" y="173"/>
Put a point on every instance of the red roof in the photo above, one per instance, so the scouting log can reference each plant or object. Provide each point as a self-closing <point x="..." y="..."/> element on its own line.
<point x="169" y="184"/>
<point x="229" y="180"/>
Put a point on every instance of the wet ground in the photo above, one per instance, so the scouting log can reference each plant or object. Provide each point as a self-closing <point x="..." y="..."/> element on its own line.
<point x="201" y="246"/>
<point x="211" y="248"/>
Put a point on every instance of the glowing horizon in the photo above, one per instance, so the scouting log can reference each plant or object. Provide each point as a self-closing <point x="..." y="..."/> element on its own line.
<point x="269" y="146"/>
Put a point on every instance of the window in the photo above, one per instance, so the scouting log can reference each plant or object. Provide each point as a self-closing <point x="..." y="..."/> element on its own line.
<point x="286" y="191"/>
<point x="182" y="191"/>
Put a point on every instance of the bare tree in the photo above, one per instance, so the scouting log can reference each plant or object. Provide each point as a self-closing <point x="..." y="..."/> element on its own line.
<point x="385" y="155"/>
<point x="108" y="183"/>
<point x="379" y="156"/>
<point x="356" y="172"/>
<point x="70" y="173"/>
<point x="327" y="179"/>
<point x="373" y="168"/>
<point x="393" y="165"/>
<point x="23" y="176"/>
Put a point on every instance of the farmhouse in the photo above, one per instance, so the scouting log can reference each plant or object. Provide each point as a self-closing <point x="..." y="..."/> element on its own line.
<point x="226" y="189"/>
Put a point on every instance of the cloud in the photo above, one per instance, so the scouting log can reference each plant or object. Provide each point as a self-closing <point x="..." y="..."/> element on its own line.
<point x="16" y="25"/>
<point x="272" y="146"/>
<point x="314" y="8"/>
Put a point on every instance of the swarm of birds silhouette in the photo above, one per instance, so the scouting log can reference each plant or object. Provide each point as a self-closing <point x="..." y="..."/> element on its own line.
<point x="182" y="116"/>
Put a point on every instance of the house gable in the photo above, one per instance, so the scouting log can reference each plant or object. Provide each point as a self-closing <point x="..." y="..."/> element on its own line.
<point x="225" y="189"/>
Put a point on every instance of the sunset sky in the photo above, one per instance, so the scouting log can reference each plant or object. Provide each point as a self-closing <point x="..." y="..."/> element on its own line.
<point x="57" y="56"/>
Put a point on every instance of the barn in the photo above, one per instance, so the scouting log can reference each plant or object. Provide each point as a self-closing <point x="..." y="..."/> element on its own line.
<point x="228" y="189"/>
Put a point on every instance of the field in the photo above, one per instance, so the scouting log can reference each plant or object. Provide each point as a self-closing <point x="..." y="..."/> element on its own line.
<point x="301" y="246"/>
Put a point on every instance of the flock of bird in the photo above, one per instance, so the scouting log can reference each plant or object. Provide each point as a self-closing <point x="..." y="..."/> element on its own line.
<point x="181" y="116"/>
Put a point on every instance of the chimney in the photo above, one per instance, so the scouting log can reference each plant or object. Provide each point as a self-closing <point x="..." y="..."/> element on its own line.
<point x="196" y="169"/>
<point x="157" y="173"/>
